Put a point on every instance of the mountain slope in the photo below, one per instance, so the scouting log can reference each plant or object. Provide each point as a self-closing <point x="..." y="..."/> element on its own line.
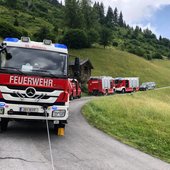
<point x="115" y="63"/>
<point x="32" y="15"/>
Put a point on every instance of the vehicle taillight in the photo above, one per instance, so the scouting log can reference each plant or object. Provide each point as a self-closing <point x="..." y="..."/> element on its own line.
<point x="63" y="97"/>
<point x="1" y="95"/>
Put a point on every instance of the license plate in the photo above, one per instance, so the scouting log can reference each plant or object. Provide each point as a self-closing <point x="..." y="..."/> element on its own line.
<point x="28" y="109"/>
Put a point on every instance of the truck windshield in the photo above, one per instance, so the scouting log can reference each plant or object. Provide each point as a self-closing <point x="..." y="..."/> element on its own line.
<point x="118" y="81"/>
<point x="35" y="60"/>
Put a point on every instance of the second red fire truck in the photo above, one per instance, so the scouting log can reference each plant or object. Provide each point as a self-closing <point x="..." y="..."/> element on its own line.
<point x="102" y="85"/>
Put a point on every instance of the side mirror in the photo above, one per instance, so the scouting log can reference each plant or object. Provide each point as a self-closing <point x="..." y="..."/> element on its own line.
<point x="77" y="67"/>
<point x="3" y="49"/>
<point x="8" y="56"/>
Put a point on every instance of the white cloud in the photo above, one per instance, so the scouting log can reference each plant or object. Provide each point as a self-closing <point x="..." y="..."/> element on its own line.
<point x="135" y="10"/>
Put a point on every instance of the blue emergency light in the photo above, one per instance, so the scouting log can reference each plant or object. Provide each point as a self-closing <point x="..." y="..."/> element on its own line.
<point x="60" y="46"/>
<point x="11" y="39"/>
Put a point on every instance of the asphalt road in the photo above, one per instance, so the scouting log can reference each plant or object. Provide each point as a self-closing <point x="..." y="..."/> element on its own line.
<point x="25" y="147"/>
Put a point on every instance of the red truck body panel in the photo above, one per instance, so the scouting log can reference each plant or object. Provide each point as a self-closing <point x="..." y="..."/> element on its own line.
<point x="101" y="85"/>
<point x="127" y="84"/>
<point x="14" y="81"/>
<point x="74" y="89"/>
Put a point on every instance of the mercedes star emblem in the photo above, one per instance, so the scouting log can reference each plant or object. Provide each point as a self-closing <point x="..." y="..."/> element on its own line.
<point x="30" y="92"/>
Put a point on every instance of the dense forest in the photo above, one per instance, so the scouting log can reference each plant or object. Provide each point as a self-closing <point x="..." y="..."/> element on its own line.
<point x="78" y="24"/>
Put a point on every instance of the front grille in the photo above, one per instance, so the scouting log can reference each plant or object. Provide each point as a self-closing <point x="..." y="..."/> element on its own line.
<point x="32" y="103"/>
<point x="36" y="96"/>
<point x="37" y="88"/>
<point x="27" y="114"/>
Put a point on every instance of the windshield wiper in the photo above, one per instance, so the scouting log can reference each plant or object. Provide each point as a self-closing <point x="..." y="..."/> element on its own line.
<point x="13" y="68"/>
<point x="44" y="71"/>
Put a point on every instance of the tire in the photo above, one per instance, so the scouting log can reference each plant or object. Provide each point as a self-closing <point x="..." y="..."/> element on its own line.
<point x="134" y="89"/>
<point x="56" y="126"/>
<point x="123" y="90"/>
<point x="3" y="124"/>
<point x="95" y="93"/>
<point x="71" y="97"/>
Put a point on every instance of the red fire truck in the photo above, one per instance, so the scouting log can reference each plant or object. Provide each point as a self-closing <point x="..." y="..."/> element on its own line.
<point x="101" y="85"/>
<point x="33" y="82"/>
<point x="74" y="89"/>
<point x="127" y="84"/>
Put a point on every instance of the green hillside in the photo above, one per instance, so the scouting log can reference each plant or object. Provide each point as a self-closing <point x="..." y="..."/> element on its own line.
<point x="162" y="63"/>
<point x="78" y="24"/>
<point x="115" y="63"/>
<point x="28" y="16"/>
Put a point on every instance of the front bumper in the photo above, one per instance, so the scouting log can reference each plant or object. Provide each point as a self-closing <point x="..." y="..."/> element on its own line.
<point x="31" y="112"/>
<point x="119" y="89"/>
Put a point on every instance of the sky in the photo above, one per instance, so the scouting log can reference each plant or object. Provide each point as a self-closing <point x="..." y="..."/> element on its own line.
<point x="152" y="14"/>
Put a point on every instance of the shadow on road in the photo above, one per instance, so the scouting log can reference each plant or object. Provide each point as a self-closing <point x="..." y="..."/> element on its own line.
<point x="27" y="128"/>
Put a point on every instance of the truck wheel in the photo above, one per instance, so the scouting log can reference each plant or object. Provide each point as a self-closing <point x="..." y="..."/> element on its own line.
<point x="95" y="93"/>
<point x="71" y="97"/>
<point x="3" y="124"/>
<point x="123" y="90"/>
<point x="56" y="126"/>
<point x="134" y="89"/>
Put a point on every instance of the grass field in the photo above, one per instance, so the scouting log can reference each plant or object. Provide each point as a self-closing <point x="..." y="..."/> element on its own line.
<point x="141" y="120"/>
<point x="162" y="63"/>
<point x="115" y="63"/>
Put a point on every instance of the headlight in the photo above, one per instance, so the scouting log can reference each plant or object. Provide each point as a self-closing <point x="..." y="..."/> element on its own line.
<point x="59" y="113"/>
<point x="1" y="110"/>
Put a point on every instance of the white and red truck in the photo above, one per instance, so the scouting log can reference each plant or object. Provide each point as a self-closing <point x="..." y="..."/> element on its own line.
<point x="74" y="89"/>
<point x="33" y="82"/>
<point x="102" y="85"/>
<point x="126" y="84"/>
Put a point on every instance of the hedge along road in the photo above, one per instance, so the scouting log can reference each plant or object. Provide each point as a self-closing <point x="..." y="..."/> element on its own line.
<point x="25" y="146"/>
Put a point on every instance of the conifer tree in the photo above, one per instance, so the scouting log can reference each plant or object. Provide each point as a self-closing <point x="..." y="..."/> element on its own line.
<point x="16" y="23"/>
<point x="101" y="14"/>
<point x="109" y="17"/>
<point x="96" y="7"/>
<point x="87" y="13"/>
<point x="120" y="19"/>
<point x="98" y="11"/>
<point x="115" y="15"/>
<point x="160" y="38"/>
<point x="73" y="14"/>
<point x="11" y="3"/>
